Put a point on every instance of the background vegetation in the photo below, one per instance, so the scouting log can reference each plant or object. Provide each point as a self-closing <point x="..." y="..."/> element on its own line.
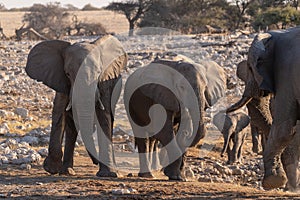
<point x="194" y="16"/>
<point x="188" y="16"/>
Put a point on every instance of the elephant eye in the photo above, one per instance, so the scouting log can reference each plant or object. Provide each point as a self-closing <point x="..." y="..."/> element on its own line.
<point x="68" y="75"/>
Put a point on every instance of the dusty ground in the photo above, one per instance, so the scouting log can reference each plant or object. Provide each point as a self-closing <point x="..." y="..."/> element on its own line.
<point x="37" y="184"/>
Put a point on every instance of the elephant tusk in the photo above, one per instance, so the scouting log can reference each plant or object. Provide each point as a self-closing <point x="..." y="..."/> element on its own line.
<point x="101" y="104"/>
<point x="99" y="99"/>
<point x="69" y="106"/>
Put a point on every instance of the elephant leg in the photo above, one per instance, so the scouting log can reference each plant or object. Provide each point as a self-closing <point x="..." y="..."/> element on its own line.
<point x="244" y="135"/>
<point x="229" y="152"/>
<point x="53" y="162"/>
<point x="290" y="162"/>
<point x="144" y="154"/>
<point x="106" y="154"/>
<point x="70" y="140"/>
<point x="238" y="141"/>
<point x="167" y="138"/>
<point x="154" y="157"/>
<point x="264" y="139"/>
<point x="280" y="136"/>
<point x="255" y="139"/>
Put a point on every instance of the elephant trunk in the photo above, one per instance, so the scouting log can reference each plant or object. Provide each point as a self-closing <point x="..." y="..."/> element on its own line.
<point x="243" y="101"/>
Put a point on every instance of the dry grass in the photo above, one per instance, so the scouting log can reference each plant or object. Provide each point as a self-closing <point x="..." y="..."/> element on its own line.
<point x="113" y="22"/>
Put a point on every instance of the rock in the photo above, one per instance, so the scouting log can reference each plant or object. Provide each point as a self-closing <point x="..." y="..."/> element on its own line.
<point x="189" y="174"/>
<point x="25" y="166"/>
<point x="3" y="113"/>
<point x="4" y="128"/>
<point x="31" y="140"/>
<point x="22" y="112"/>
<point x="205" y="179"/>
<point x="237" y="171"/>
<point x="43" y="152"/>
<point x="11" y="143"/>
<point x="120" y="191"/>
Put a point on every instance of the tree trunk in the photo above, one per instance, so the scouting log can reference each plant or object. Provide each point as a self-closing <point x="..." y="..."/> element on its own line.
<point x="131" y="28"/>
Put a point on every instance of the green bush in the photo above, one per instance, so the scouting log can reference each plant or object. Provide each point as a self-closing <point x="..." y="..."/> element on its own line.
<point x="278" y="17"/>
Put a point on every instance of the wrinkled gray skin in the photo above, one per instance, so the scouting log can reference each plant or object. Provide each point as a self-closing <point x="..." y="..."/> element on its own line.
<point x="150" y="94"/>
<point x="258" y="110"/>
<point x="275" y="68"/>
<point x="232" y="127"/>
<point x="56" y="64"/>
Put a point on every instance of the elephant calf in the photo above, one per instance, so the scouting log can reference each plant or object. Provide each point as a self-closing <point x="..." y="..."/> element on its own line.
<point x="232" y="127"/>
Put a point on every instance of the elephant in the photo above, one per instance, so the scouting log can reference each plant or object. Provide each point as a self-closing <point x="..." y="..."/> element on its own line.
<point x="84" y="76"/>
<point x="273" y="67"/>
<point x="232" y="126"/>
<point x="165" y="100"/>
<point x="259" y="111"/>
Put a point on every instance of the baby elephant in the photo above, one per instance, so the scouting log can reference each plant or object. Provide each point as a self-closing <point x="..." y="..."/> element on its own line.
<point x="232" y="127"/>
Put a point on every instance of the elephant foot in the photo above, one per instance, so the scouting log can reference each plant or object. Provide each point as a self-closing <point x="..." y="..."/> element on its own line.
<point x="176" y="176"/>
<point x="275" y="178"/>
<point x="68" y="171"/>
<point x="107" y="173"/>
<point x="53" y="166"/>
<point x="145" y="175"/>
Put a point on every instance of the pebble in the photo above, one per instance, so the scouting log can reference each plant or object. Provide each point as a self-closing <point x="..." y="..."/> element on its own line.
<point x="23" y="112"/>
<point x="25" y="166"/>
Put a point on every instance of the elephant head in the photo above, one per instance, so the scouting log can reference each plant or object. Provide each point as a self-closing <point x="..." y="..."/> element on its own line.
<point x="257" y="72"/>
<point x="75" y="70"/>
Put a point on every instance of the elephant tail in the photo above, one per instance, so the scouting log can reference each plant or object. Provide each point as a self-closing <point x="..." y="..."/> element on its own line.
<point x="243" y="101"/>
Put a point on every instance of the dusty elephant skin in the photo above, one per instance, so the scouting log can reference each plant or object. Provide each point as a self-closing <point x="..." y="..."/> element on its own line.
<point x="232" y="127"/>
<point x="176" y="134"/>
<point x="261" y="109"/>
<point x="58" y="64"/>
<point x="274" y="63"/>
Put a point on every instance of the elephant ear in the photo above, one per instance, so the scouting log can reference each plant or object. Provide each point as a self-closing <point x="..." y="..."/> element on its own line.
<point x="241" y="70"/>
<point x="260" y="58"/>
<point x="113" y="57"/>
<point x="216" y="81"/>
<point x="45" y="63"/>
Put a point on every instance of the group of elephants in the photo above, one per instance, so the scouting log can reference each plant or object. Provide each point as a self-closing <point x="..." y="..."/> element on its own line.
<point x="86" y="78"/>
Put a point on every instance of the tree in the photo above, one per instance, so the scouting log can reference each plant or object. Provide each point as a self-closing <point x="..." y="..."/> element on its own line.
<point x="89" y="7"/>
<point x="2" y="7"/>
<point x="51" y="19"/>
<point x="133" y="10"/>
<point x="279" y="17"/>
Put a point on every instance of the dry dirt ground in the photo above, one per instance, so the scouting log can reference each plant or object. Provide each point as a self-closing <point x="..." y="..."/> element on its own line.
<point x="38" y="184"/>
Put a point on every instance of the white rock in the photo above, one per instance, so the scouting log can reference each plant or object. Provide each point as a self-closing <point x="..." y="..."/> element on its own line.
<point x="120" y="191"/>
<point x="4" y="128"/>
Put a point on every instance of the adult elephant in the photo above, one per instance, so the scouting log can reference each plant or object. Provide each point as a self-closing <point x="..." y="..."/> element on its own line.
<point x="274" y="66"/>
<point x="165" y="101"/>
<point x="84" y="76"/>
<point x="261" y="111"/>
